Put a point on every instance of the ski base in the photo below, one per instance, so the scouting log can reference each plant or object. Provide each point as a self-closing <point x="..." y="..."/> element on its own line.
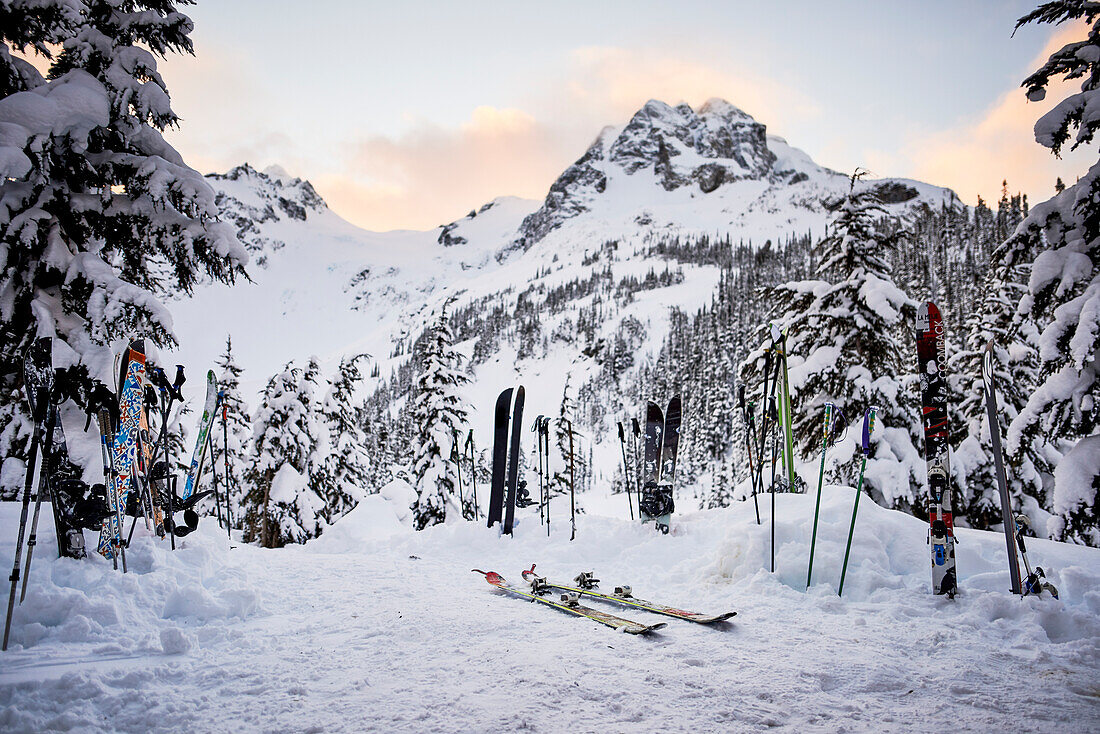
<point x="571" y="606"/>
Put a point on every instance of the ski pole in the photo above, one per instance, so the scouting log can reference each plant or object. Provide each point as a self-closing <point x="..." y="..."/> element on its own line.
<point x="28" y="485"/>
<point x="43" y="483"/>
<point x="626" y="469"/>
<point x="572" y="482"/>
<point x="771" y="420"/>
<point x="820" y="479"/>
<point x="473" y="469"/>
<point x="458" y="464"/>
<point x="868" y="429"/>
<point x="546" y="443"/>
<point x="225" y="454"/>
<point x="748" y="445"/>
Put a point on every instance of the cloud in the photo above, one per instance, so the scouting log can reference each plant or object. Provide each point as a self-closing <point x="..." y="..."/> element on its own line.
<point x="432" y="175"/>
<point x="974" y="158"/>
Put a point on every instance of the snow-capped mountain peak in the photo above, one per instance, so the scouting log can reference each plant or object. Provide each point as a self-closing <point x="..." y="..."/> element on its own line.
<point x="249" y="198"/>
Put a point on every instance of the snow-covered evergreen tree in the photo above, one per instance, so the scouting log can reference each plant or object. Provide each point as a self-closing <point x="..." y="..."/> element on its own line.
<point x="438" y="412"/>
<point x="280" y="506"/>
<point x="236" y="433"/>
<point x="845" y="346"/>
<point x="99" y="216"/>
<point x="340" y="464"/>
<point x="1063" y="295"/>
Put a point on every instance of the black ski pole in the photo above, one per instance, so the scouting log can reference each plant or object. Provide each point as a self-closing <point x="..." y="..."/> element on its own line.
<point x="473" y="470"/>
<point x="458" y="467"/>
<point x="225" y="453"/>
<point x="626" y="470"/>
<point x="28" y="485"/>
<point x="748" y="445"/>
<point x="572" y="484"/>
<point x="545" y="432"/>
<point x="43" y="483"/>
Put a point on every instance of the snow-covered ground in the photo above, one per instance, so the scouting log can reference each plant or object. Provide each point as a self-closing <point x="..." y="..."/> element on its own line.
<point x="373" y="627"/>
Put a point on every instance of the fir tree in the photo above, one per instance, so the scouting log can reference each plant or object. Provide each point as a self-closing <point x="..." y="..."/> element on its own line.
<point x="845" y="347"/>
<point x="341" y="465"/>
<point x="438" y="412"/>
<point x="99" y="216"/>
<point x="235" y="433"/>
<point x="1063" y="296"/>
<point x="280" y="507"/>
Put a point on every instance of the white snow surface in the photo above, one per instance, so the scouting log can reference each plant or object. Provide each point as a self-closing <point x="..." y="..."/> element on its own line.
<point x="373" y="627"/>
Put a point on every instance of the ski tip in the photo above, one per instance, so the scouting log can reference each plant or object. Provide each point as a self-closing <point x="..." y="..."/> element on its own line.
<point x="644" y="629"/>
<point x="491" y="577"/>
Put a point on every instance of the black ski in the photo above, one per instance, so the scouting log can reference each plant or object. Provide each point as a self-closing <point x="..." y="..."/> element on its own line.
<point x="513" y="461"/>
<point x="64" y="495"/>
<point x="500" y="457"/>
<point x="651" y="463"/>
<point x="998" y="460"/>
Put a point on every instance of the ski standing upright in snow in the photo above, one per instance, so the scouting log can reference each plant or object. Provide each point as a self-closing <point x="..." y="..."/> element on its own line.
<point x="662" y="441"/>
<point x="992" y="413"/>
<point x="206" y="420"/>
<point x="931" y="359"/>
<point x="513" y="462"/>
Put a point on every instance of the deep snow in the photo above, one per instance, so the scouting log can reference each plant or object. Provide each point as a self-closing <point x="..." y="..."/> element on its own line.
<point x="375" y="627"/>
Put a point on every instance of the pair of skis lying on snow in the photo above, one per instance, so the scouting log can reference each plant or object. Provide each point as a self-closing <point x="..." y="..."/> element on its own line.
<point x="540" y="590"/>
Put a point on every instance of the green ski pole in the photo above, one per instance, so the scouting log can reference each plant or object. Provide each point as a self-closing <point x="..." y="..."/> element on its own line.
<point x="829" y="407"/>
<point x="868" y="429"/>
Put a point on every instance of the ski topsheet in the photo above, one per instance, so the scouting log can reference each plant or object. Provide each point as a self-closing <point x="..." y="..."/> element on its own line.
<point x="998" y="460"/>
<point x="651" y="464"/>
<point x="622" y="596"/>
<point x="779" y="344"/>
<point x="125" y="446"/>
<point x="570" y="606"/>
<point x="512" y="478"/>
<point x="39" y="375"/>
<point x="500" y="457"/>
<point x="206" y="420"/>
<point x="931" y="358"/>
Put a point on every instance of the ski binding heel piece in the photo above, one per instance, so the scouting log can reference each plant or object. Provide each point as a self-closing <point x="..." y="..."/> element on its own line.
<point x="585" y="580"/>
<point x="623" y="591"/>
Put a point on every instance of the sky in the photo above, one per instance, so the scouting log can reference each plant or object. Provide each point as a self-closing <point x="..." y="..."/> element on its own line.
<point x="409" y="115"/>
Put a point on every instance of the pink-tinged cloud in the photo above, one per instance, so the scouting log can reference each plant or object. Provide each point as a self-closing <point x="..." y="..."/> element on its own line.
<point x="975" y="158"/>
<point x="433" y="175"/>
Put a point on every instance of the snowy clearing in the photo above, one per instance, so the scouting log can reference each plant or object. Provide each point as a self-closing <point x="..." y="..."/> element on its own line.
<point x="376" y="628"/>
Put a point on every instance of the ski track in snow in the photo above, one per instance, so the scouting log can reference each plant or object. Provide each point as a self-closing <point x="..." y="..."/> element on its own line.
<point x="376" y="628"/>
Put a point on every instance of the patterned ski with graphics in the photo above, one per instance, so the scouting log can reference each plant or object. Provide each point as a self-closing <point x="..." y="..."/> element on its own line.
<point x="125" y="446"/>
<point x="932" y="360"/>
<point x="206" y="420"/>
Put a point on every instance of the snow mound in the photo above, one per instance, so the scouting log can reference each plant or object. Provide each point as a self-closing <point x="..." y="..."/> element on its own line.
<point x="90" y="607"/>
<point x="373" y="519"/>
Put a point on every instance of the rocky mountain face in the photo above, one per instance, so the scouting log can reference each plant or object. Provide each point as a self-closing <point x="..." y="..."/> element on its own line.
<point x="703" y="150"/>
<point x="575" y="295"/>
<point x="250" y="199"/>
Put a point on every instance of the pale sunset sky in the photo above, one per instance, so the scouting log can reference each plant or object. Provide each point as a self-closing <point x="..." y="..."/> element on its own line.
<point x="408" y="115"/>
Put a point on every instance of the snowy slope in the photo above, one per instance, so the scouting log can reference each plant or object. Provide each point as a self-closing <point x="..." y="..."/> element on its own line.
<point x="375" y="627"/>
<point x="324" y="287"/>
